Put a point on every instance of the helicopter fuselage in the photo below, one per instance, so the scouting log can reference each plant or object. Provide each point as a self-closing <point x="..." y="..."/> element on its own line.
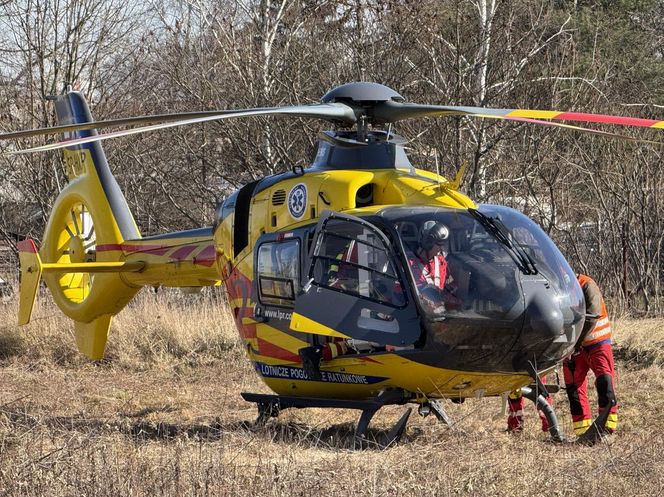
<point x="331" y="257"/>
<point x="279" y="244"/>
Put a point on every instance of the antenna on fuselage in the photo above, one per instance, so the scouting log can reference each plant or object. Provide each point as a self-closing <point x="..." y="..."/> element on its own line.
<point x="435" y="155"/>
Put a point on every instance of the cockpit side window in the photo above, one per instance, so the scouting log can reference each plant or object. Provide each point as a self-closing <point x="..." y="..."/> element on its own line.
<point x="350" y="258"/>
<point x="278" y="272"/>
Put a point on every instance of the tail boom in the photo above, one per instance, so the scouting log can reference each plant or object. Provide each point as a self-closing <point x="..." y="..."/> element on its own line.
<point x="182" y="259"/>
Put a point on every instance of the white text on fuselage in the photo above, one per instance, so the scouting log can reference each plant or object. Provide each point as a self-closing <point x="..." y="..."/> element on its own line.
<point x="287" y="372"/>
<point x="277" y="314"/>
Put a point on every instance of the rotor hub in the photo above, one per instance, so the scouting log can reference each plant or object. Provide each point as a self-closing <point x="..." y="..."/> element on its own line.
<point x="361" y="93"/>
<point x="77" y="249"/>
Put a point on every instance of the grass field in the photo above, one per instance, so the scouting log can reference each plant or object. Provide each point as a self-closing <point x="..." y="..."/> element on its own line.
<point x="162" y="415"/>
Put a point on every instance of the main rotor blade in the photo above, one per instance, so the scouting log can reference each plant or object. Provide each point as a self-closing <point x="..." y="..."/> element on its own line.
<point x="330" y="112"/>
<point x="389" y="112"/>
<point x="395" y="111"/>
<point x="591" y="131"/>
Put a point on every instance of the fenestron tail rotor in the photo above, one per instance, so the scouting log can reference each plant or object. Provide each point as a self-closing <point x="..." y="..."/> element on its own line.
<point x="76" y="245"/>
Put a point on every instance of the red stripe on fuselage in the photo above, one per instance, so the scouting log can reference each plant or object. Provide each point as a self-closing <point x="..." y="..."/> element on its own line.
<point x="248" y="330"/>
<point x="238" y="286"/>
<point x="155" y="251"/>
<point x="207" y="256"/>
<point x="183" y="252"/>
<point x="245" y="312"/>
<point x="108" y="247"/>
<point x="131" y="249"/>
<point x="271" y="350"/>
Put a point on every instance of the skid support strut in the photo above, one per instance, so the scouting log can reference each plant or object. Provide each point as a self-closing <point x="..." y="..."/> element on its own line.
<point x="539" y="399"/>
<point x="269" y="406"/>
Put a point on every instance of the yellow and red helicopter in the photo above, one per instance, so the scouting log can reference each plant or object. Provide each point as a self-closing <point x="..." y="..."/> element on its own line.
<point x="315" y="258"/>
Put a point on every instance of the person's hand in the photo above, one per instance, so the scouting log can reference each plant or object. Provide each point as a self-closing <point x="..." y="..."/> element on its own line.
<point x="433" y="295"/>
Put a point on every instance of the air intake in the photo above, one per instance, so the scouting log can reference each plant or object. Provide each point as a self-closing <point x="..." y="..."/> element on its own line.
<point x="279" y="197"/>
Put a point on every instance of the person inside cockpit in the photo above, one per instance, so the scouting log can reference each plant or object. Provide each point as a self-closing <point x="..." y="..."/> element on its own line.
<point x="429" y="266"/>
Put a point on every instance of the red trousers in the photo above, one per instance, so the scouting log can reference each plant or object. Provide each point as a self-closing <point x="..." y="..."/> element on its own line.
<point x="599" y="359"/>
<point x="515" y="404"/>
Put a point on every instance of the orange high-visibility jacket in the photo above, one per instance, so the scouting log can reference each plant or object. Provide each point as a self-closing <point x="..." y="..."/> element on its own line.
<point x="594" y="330"/>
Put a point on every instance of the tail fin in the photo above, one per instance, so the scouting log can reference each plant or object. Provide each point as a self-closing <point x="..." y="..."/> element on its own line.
<point x="89" y="222"/>
<point x="84" y="259"/>
<point x="89" y="160"/>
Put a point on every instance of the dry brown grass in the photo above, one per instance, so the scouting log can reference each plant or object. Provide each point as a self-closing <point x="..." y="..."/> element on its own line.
<point x="163" y="416"/>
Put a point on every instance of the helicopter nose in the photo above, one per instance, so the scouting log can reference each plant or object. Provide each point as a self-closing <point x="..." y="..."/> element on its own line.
<point x="545" y="316"/>
<point x="548" y="328"/>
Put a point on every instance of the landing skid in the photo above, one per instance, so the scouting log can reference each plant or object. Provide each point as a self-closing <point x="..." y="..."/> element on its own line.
<point x="534" y="394"/>
<point x="269" y="406"/>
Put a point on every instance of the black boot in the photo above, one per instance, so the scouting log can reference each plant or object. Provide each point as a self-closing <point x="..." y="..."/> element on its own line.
<point x="311" y="357"/>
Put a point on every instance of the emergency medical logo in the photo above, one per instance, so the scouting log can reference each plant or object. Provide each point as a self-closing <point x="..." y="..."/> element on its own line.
<point x="297" y="200"/>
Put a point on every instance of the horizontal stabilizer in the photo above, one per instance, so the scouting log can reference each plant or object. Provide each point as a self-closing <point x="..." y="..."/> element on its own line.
<point x="32" y="269"/>
<point x="93" y="267"/>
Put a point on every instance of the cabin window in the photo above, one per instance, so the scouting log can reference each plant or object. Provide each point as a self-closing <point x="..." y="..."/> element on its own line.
<point x="352" y="259"/>
<point x="278" y="272"/>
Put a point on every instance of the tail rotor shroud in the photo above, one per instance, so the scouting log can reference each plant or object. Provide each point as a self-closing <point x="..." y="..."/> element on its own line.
<point x="76" y="244"/>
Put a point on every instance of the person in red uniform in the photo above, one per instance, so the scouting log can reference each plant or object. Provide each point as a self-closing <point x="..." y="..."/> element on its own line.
<point x="594" y="353"/>
<point x="429" y="266"/>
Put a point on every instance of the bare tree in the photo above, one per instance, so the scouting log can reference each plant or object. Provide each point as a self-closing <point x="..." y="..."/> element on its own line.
<point x="46" y="47"/>
<point x="601" y="201"/>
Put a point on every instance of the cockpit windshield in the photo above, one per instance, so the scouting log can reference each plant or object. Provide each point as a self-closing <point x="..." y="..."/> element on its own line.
<point x="465" y="263"/>
<point x="538" y="247"/>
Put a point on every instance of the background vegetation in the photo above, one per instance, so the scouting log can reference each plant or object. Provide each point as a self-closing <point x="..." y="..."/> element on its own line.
<point x="600" y="199"/>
